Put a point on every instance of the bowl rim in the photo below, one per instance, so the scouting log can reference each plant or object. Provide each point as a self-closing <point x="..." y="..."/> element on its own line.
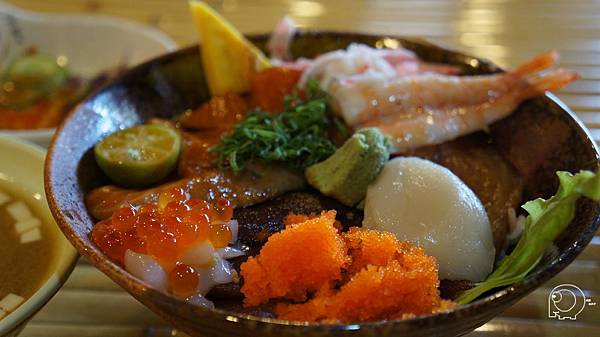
<point x="66" y="260"/>
<point x="502" y="296"/>
<point x="165" y="41"/>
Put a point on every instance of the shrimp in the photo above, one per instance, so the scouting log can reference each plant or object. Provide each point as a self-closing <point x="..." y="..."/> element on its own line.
<point x="433" y="108"/>
<point x="361" y="61"/>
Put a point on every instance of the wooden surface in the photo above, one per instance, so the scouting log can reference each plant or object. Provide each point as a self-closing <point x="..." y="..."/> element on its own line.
<point x="506" y="31"/>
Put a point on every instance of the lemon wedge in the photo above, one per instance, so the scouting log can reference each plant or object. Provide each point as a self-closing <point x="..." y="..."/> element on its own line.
<point x="230" y="61"/>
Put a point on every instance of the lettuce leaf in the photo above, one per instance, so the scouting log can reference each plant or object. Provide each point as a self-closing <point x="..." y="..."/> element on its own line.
<point x="546" y="220"/>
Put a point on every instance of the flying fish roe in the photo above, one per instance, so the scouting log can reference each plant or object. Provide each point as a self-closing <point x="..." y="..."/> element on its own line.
<point x="295" y="262"/>
<point x="383" y="278"/>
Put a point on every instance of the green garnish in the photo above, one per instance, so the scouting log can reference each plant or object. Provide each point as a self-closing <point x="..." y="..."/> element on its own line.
<point x="546" y="220"/>
<point x="346" y="175"/>
<point x="298" y="136"/>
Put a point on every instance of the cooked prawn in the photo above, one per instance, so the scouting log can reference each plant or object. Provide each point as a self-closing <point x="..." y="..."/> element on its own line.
<point x="432" y="108"/>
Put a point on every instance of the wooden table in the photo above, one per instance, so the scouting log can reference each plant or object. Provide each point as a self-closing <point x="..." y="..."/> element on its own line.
<point x="506" y="31"/>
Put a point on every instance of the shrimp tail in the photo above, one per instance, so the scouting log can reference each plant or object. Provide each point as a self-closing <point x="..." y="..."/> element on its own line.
<point x="537" y="64"/>
<point x="541" y="78"/>
<point x="552" y="80"/>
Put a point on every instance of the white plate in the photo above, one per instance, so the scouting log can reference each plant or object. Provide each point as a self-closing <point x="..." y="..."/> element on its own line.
<point x="90" y="43"/>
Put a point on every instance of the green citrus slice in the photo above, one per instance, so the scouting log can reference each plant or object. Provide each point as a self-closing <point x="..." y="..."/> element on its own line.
<point x="31" y="78"/>
<point x="139" y="156"/>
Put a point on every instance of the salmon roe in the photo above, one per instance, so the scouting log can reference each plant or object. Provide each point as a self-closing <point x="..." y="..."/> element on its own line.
<point x="183" y="280"/>
<point x="165" y="231"/>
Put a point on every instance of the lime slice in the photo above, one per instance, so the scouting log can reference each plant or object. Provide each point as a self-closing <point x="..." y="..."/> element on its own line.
<point x="139" y="156"/>
<point x="30" y="78"/>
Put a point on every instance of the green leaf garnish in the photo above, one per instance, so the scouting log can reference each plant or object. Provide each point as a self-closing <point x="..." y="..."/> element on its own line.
<point x="546" y="220"/>
<point x="297" y="136"/>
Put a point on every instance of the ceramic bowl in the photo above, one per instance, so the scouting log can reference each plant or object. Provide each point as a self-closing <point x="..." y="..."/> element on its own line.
<point x="91" y="44"/>
<point x="21" y="169"/>
<point x="173" y="83"/>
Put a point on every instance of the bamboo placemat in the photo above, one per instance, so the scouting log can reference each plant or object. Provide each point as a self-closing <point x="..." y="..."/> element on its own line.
<point x="507" y="32"/>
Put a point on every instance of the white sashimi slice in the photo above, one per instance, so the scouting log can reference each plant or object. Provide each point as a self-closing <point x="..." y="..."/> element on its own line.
<point x="426" y="204"/>
<point x="200" y="300"/>
<point x="234" y="228"/>
<point x="200" y="254"/>
<point x="147" y="269"/>
<point x="221" y="271"/>
<point x="230" y="252"/>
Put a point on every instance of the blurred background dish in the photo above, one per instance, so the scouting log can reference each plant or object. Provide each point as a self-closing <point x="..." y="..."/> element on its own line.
<point x="35" y="263"/>
<point x="49" y="62"/>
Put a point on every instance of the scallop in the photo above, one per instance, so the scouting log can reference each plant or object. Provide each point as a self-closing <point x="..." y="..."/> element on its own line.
<point x="426" y="204"/>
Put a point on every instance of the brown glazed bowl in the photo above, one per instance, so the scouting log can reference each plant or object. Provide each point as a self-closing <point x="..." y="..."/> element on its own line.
<point x="170" y="84"/>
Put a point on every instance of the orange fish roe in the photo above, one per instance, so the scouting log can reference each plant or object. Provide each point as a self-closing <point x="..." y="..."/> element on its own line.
<point x="383" y="278"/>
<point x="292" y="219"/>
<point x="374" y="293"/>
<point x="301" y="259"/>
<point x="370" y="247"/>
<point x="165" y="231"/>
